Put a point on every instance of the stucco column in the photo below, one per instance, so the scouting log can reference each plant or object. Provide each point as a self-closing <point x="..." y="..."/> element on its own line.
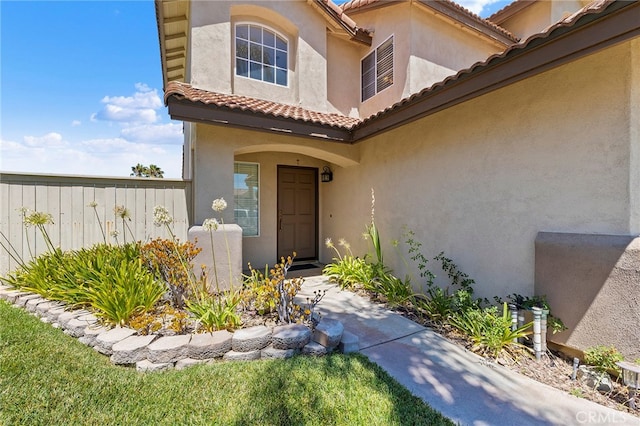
<point x="212" y="176"/>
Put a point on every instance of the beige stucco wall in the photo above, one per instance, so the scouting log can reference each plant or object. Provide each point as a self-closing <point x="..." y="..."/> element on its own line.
<point x="593" y="283"/>
<point x="216" y="150"/>
<point x="480" y="180"/>
<point x="427" y="49"/>
<point x="440" y="49"/>
<point x="343" y="85"/>
<point x="540" y="15"/>
<point x="212" y="50"/>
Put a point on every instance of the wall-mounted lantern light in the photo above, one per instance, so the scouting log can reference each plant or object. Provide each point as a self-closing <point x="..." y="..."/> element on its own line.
<point x="631" y="378"/>
<point x="326" y="175"/>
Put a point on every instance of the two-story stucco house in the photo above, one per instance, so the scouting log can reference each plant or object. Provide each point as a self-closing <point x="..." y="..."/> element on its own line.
<point x="511" y="143"/>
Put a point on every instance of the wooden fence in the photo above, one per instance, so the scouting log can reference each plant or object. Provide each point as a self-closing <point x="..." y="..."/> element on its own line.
<point x="83" y="211"/>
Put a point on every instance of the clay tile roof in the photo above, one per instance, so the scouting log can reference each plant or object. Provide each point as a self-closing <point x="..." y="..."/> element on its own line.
<point x="181" y="90"/>
<point x="357" y="4"/>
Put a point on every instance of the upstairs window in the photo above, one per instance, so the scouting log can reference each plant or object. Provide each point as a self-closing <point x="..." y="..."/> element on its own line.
<point x="377" y="70"/>
<point x="261" y="54"/>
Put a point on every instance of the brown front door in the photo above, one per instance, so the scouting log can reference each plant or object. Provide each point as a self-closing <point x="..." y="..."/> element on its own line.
<point x="297" y="212"/>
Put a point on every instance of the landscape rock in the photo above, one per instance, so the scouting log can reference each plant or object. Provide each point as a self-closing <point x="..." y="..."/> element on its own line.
<point x="290" y="336"/>
<point x="328" y="333"/>
<point x="241" y="356"/>
<point x="91" y="333"/>
<point x="349" y="343"/>
<point x="169" y="349"/>
<point x="105" y="341"/>
<point x="12" y="295"/>
<point x="76" y="326"/>
<point x="189" y="362"/>
<point x="32" y="304"/>
<point x="131" y="350"/>
<point x="594" y="379"/>
<point x="43" y="308"/>
<point x="209" y="345"/>
<point x="314" y="349"/>
<point x="272" y="353"/>
<point x="22" y="300"/>
<point x="65" y="317"/>
<point x="147" y="366"/>
<point x="53" y="313"/>
<point x="251" y="339"/>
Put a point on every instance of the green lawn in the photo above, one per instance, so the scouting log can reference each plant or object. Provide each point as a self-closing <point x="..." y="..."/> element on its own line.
<point x="47" y="377"/>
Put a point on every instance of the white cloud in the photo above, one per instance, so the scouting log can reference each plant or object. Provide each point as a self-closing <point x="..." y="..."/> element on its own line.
<point x="139" y="108"/>
<point x="476" y="6"/>
<point x="134" y="134"/>
<point x="96" y="157"/>
<point x="169" y="133"/>
<point x="47" y="141"/>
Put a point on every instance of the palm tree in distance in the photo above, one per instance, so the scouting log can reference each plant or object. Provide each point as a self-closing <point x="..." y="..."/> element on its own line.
<point x="140" y="170"/>
<point x="155" y="171"/>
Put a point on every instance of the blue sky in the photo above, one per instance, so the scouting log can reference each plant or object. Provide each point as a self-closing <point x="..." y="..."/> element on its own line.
<point x="81" y="88"/>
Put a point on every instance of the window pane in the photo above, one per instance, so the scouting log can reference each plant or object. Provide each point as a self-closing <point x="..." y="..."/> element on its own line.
<point x="255" y="70"/>
<point x="242" y="31"/>
<point x="242" y="68"/>
<point x="268" y="56"/>
<point x="256" y="34"/>
<point x="281" y="43"/>
<point x="269" y="74"/>
<point x="242" y="49"/>
<point x="246" y="197"/>
<point x="281" y="59"/>
<point x="256" y="52"/>
<point x="281" y="77"/>
<point x="269" y="38"/>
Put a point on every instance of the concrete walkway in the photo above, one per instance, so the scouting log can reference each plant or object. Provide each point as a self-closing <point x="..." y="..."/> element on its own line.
<point x="452" y="380"/>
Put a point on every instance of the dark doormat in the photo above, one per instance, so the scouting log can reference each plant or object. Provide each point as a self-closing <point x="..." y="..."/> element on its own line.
<point x="302" y="266"/>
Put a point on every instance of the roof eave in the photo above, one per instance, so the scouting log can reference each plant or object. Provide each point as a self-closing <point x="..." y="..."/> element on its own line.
<point x="335" y="14"/>
<point x="480" y="27"/>
<point x="186" y="110"/>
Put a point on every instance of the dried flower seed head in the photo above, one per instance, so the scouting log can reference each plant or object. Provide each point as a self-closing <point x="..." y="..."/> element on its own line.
<point x="161" y="216"/>
<point x="210" y="224"/>
<point x="122" y="212"/>
<point x="92" y="204"/>
<point x="38" y="219"/>
<point x="23" y="211"/>
<point x="328" y="243"/>
<point x="115" y="233"/>
<point x="219" y="204"/>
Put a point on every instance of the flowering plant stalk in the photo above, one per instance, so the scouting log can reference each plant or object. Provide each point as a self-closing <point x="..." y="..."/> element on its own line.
<point x="211" y="225"/>
<point x="94" y="206"/>
<point x="161" y="217"/>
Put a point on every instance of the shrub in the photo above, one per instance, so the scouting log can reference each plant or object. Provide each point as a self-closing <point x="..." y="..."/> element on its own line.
<point x="603" y="357"/>
<point x="122" y="290"/>
<point x="170" y="261"/>
<point x="279" y="292"/>
<point x="346" y="269"/>
<point x="217" y="311"/>
<point x="490" y="332"/>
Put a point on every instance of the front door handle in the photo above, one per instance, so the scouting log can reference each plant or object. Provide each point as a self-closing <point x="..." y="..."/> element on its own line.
<point x="280" y="220"/>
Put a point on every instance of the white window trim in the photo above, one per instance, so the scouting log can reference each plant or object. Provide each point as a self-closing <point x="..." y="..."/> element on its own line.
<point x="258" y="198"/>
<point x="393" y="67"/>
<point x="273" y="30"/>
